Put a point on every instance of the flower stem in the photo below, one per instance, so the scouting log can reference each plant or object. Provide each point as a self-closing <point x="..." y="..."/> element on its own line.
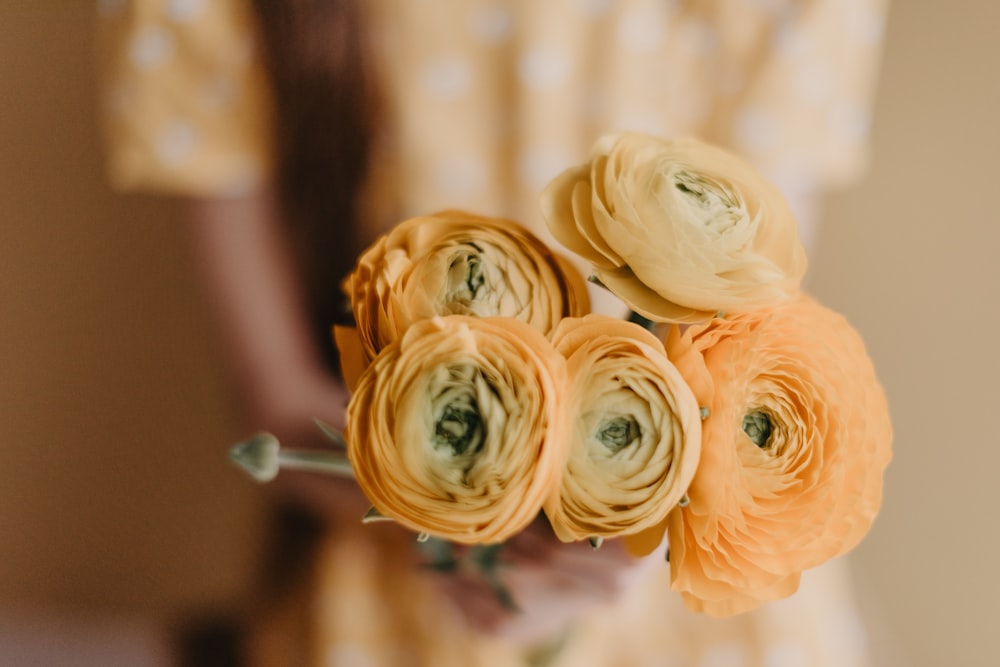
<point x="313" y="461"/>
<point x="261" y="457"/>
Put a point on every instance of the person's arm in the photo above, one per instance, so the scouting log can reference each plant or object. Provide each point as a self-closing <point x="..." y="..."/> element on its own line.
<point x="252" y="288"/>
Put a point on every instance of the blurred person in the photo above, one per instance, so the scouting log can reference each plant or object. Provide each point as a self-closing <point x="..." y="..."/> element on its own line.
<point x="296" y="131"/>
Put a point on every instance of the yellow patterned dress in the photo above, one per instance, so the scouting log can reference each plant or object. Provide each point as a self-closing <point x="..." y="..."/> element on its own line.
<point x="486" y="101"/>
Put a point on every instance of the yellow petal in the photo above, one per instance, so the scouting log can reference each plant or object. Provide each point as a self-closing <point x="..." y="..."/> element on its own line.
<point x="353" y="361"/>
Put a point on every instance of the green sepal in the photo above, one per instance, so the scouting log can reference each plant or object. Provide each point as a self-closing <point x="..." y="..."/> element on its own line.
<point x="332" y="434"/>
<point x="374" y="516"/>
<point x="440" y="555"/>
<point x="486" y="561"/>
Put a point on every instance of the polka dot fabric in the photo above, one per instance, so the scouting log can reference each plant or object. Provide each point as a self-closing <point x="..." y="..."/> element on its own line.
<point x="370" y="607"/>
<point x="185" y="99"/>
<point x="490" y="99"/>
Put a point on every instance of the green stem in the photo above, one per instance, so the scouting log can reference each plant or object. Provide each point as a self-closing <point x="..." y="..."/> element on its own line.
<point x="262" y="457"/>
<point x="323" y="462"/>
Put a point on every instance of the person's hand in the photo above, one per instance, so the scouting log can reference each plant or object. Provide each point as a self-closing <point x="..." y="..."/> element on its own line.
<point x="551" y="583"/>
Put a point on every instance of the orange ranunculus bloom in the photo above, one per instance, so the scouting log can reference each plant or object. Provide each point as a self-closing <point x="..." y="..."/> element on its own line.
<point x="793" y="453"/>
<point x="457" y="430"/>
<point x="457" y="263"/>
<point x="679" y="230"/>
<point x="635" y="431"/>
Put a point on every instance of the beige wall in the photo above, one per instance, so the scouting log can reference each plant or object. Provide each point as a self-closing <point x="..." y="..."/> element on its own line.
<point x="911" y="256"/>
<point x="114" y="486"/>
<point x="114" y="489"/>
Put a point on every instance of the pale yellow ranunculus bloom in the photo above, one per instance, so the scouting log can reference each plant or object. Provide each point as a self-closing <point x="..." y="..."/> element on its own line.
<point x="635" y="431"/>
<point x="679" y="230"/>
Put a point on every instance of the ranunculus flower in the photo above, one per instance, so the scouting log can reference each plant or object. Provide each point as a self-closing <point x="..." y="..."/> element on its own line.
<point x="457" y="263"/>
<point x="793" y="453"/>
<point x="635" y="431"/>
<point x="679" y="230"/>
<point x="457" y="430"/>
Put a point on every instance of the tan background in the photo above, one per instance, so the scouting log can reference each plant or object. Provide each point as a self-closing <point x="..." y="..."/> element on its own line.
<point x="114" y="490"/>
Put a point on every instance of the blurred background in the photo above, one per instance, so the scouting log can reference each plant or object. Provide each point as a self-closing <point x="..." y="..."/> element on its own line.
<point x="119" y="513"/>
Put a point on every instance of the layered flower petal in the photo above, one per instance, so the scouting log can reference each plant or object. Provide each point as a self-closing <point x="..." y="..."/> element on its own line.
<point x="793" y="453"/>
<point x="457" y="263"/>
<point x="457" y="430"/>
<point x="634" y="429"/>
<point x="679" y="230"/>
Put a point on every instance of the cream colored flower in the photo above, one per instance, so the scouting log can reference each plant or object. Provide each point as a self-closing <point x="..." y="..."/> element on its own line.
<point x="679" y="230"/>
<point x="457" y="263"/>
<point x="792" y="458"/>
<point x="457" y="430"/>
<point x="635" y="431"/>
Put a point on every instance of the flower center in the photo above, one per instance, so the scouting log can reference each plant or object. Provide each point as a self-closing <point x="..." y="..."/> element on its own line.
<point x="467" y="278"/>
<point x="618" y="433"/>
<point x="757" y="425"/>
<point x="715" y="209"/>
<point x="457" y="425"/>
<point x="460" y="428"/>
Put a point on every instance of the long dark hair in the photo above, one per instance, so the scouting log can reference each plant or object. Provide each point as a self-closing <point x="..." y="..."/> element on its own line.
<point x="325" y="99"/>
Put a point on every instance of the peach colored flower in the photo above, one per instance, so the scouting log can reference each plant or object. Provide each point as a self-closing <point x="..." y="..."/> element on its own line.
<point x="793" y="453"/>
<point x="457" y="430"/>
<point x="457" y="263"/>
<point x="679" y="230"/>
<point x="635" y="431"/>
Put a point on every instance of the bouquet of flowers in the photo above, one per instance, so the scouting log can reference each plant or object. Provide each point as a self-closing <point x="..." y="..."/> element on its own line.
<point x="733" y="415"/>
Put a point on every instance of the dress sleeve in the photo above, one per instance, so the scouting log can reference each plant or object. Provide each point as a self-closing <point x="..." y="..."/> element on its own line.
<point x="801" y="106"/>
<point x="186" y="105"/>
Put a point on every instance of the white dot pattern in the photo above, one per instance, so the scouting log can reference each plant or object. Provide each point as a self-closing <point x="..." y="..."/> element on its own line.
<point x="491" y="24"/>
<point x="638" y="31"/>
<point x="724" y="655"/>
<point x="538" y="166"/>
<point x="592" y="8"/>
<point x="108" y="8"/>
<point x="756" y="129"/>
<point x="242" y="175"/>
<point x="865" y="24"/>
<point x="183" y="11"/>
<point x="786" y="655"/>
<point x="151" y="48"/>
<point x="176" y="142"/>
<point x="218" y="93"/>
<point x="349" y="655"/>
<point x="544" y="68"/>
<point x="461" y="177"/>
<point x="851" y="122"/>
<point x="790" y="42"/>
<point x="699" y="39"/>
<point x="469" y="72"/>
<point x="814" y="83"/>
<point x="448" y="77"/>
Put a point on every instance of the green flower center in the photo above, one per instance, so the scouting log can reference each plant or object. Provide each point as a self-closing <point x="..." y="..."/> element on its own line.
<point x="757" y="425"/>
<point x="460" y="428"/>
<point x="618" y="433"/>
<point x="467" y="279"/>
<point x="716" y="209"/>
